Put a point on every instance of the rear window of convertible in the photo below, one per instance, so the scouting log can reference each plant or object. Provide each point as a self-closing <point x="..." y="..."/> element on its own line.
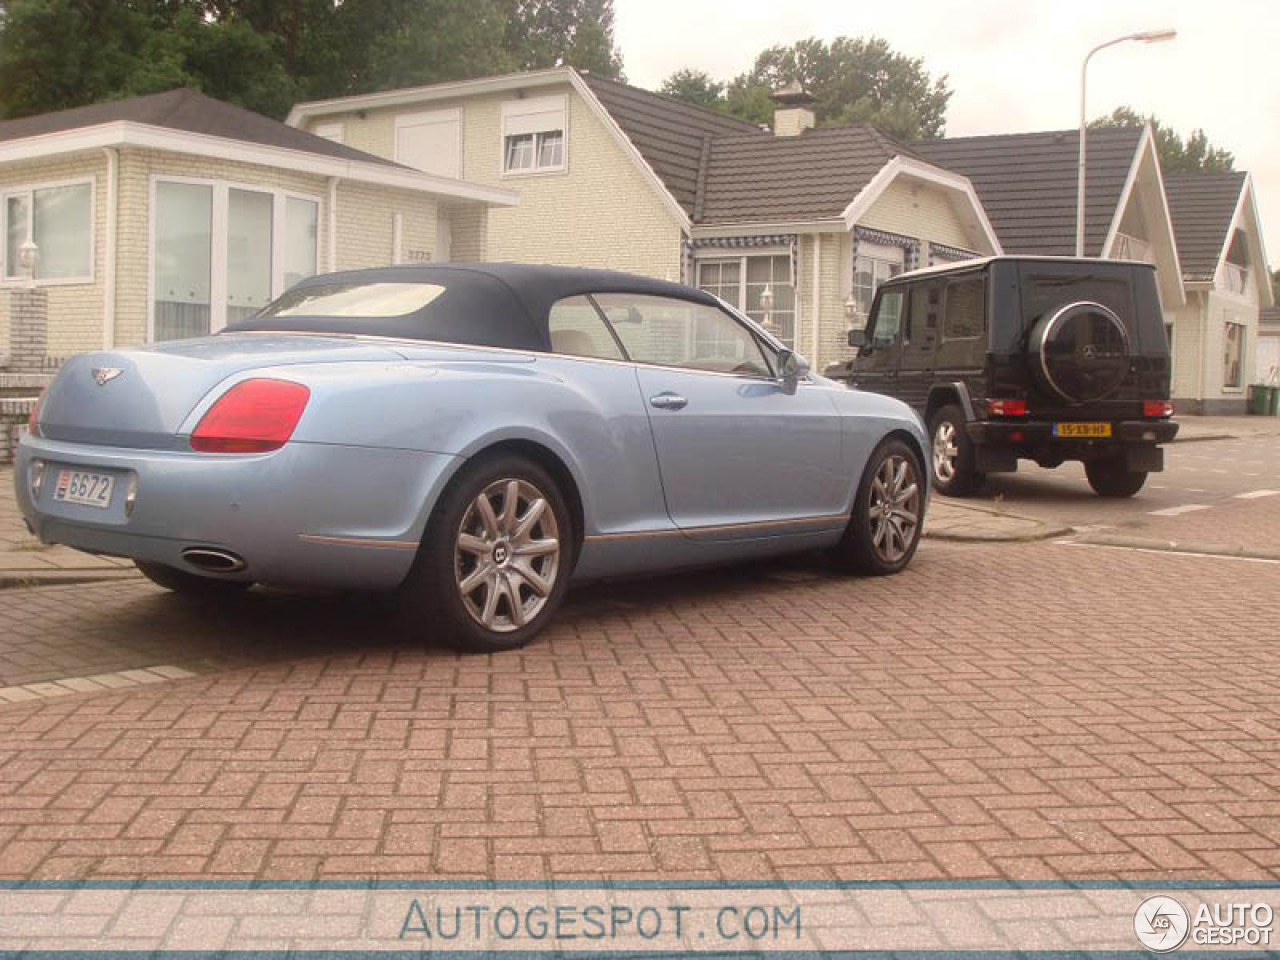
<point x="448" y="306"/>
<point x="354" y="300"/>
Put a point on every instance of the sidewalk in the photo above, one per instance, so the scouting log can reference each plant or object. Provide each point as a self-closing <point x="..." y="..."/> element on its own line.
<point x="1191" y="428"/>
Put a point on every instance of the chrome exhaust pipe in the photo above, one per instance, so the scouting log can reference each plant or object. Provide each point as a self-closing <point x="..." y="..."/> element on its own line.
<point x="213" y="560"/>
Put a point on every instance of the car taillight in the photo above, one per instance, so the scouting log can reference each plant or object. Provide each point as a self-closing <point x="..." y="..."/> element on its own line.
<point x="33" y="418"/>
<point x="1007" y="408"/>
<point x="254" y="416"/>
<point x="1157" y="408"/>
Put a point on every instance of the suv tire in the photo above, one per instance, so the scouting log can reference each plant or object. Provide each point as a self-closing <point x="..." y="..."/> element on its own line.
<point x="1109" y="478"/>
<point x="954" y="461"/>
<point x="522" y="553"/>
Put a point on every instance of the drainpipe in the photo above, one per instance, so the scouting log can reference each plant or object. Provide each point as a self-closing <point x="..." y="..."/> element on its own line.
<point x="109" y="254"/>
<point x="333" y="224"/>
<point x="817" y="293"/>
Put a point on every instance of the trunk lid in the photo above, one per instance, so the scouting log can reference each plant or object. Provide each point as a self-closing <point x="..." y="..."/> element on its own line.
<point x="144" y="404"/>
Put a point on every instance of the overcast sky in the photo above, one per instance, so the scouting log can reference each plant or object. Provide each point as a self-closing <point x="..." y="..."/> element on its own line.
<point x="1015" y="64"/>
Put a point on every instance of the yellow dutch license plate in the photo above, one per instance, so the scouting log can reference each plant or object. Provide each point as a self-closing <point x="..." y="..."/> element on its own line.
<point x="1077" y="430"/>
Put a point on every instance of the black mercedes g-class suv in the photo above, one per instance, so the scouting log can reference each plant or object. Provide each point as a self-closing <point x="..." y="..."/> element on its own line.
<point x="1040" y="358"/>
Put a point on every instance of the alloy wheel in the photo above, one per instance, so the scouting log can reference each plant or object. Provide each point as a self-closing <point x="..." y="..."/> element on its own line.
<point x="895" y="508"/>
<point x="507" y="555"/>
<point x="945" y="451"/>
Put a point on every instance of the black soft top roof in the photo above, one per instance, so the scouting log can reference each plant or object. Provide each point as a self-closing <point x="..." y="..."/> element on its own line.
<point x="486" y="304"/>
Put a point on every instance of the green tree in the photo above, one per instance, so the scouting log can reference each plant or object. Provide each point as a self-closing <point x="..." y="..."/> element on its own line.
<point x="855" y="80"/>
<point x="552" y="33"/>
<point x="695" y="86"/>
<point x="1193" y="155"/>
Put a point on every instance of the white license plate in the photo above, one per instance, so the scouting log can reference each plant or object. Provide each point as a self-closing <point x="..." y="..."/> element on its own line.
<point x="81" y="486"/>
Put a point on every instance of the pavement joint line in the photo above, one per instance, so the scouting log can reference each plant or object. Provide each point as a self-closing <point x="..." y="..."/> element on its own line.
<point x="1256" y="494"/>
<point x="97" y="683"/>
<point x="1176" y="511"/>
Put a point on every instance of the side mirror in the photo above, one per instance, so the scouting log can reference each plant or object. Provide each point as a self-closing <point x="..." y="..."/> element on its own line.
<point x="857" y="337"/>
<point x="791" y="366"/>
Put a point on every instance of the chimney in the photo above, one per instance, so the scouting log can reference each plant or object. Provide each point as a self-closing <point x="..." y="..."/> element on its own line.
<point x="793" y="114"/>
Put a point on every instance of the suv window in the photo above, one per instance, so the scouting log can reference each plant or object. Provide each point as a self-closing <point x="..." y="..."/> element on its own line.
<point x="577" y="329"/>
<point x="966" y="309"/>
<point x="680" y="333"/>
<point x="888" y="319"/>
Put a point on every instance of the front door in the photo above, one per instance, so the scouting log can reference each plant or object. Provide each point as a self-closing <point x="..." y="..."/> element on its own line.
<point x="741" y="455"/>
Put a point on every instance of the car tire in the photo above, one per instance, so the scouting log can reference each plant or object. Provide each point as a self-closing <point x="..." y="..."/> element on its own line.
<point x="888" y="513"/>
<point x="1109" y="478"/>
<point x="488" y="580"/>
<point x="190" y="584"/>
<point x="954" y="459"/>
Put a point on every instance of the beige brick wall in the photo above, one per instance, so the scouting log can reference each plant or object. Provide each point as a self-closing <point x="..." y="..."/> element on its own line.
<point x="366" y="218"/>
<point x="602" y="212"/>
<point x="916" y="209"/>
<point x="75" y="310"/>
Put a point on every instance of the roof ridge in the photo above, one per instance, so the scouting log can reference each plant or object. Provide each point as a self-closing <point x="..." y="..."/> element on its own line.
<point x="1030" y="133"/>
<point x="747" y="125"/>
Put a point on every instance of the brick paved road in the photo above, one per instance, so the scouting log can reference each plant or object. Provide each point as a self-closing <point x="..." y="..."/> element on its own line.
<point x="1033" y="711"/>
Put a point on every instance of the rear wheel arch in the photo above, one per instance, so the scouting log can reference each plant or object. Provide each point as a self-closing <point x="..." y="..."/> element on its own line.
<point x="549" y="460"/>
<point x="942" y="395"/>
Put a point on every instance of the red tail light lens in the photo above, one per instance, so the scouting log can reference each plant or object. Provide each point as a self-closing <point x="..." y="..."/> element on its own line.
<point x="1157" y="408"/>
<point x="1007" y="408"/>
<point x="33" y="418"/>
<point x="254" y="416"/>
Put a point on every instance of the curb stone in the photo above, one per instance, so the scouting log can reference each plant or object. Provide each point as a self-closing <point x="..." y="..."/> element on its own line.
<point x="1175" y="546"/>
<point x="15" y="579"/>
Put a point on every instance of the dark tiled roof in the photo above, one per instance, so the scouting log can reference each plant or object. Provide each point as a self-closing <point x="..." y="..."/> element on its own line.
<point x="1027" y="183"/>
<point x="1201" y="206"/>
<point x="190" y="111"/>
<point x="670" y="134"/>
<point x="813" y="176"/>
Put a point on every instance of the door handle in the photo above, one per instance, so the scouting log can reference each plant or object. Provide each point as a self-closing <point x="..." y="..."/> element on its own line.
<point x="668" y="401"/>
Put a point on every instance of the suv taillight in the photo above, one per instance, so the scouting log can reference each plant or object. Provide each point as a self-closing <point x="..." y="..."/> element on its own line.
<point x="1157" y="408"/>
<point x="33" y="418"/>
<point x="1007" y="408"/>
<point x="254" y="416"/>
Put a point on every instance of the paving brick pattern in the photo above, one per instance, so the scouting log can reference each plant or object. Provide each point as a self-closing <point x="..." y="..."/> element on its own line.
<point x="1024" y="711"/>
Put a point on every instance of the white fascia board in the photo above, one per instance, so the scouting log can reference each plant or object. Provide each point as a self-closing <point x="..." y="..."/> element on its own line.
<point x="1247" y="206"/>
<point x="716" y="231"/>
<point x="1146" y="151"/>
<point x="426" y="94"/>
<point x="144" y="136"/>
<point x="946" y="179"/>
<point x="629" y="148"/>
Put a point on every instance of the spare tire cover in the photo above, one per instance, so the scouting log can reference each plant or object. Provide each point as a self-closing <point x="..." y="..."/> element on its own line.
<point x="1080" y="351"/>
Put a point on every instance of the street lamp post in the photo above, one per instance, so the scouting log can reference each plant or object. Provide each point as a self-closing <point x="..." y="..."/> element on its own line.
<point x="1145" y="36"/>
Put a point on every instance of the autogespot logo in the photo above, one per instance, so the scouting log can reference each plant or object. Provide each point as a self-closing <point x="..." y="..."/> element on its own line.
<point x="1161" y="924"/>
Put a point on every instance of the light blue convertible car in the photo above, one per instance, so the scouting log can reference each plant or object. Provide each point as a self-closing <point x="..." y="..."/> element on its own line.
<point x="471" y="436"/>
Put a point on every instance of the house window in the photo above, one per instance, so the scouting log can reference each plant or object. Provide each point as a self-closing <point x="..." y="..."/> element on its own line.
<point x="1233" y="355"/>
<point x="872" y="267"/>
<point x="431" y="142"/>
<point x="336" y="131"/>
<point x="221" y="253"/>
<point x="533" y="135"/>
<point x="58" y="218"/>
<point x="741" y="281"/>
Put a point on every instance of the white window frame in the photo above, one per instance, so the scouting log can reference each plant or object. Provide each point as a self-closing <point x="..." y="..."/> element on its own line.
<point x="424" y="118"/>
<point x="218" y="241"/>
<point x="879" y="255"/>
<point x="513" y="109"/>
<point x="723" y="255"/>
<point x="29" y="191"/>
<point x="333" y="130"/>
<point x="1244" y="336"/>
